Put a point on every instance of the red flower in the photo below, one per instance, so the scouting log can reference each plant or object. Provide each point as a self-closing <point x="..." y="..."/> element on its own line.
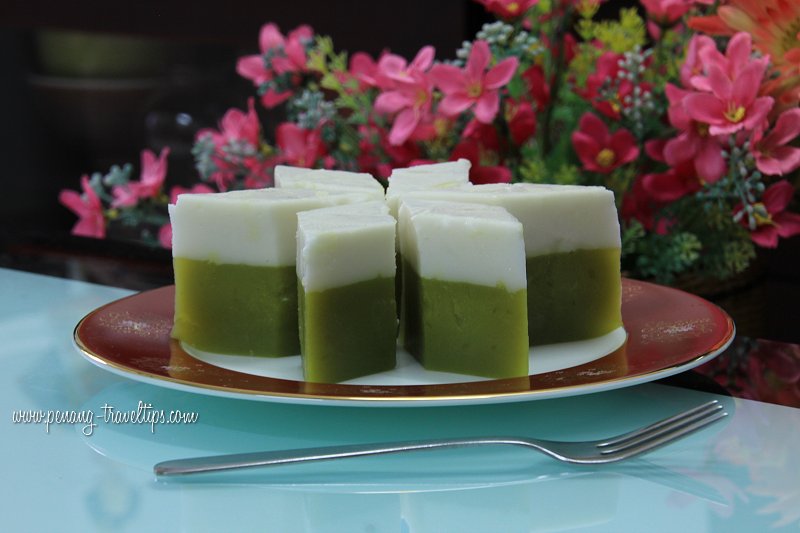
<point x="508" y="9"/>
<point x="599" y="150"/>
<point x="484" y="134"/>
<point x="478" y="174"/>
<point x="637" y="204"/>
<point x="606" y="71"/>
<point x="677" y="182"/>
<point x="777" y="222"/>
<point x="538" y="86"/>
<point x="369" y="153"/>
<point x="569" y="44"/>
<point x="377" y="156"/>
<point x="605" y="90"/>
<point x="521" y="120"/>
<point x="89" y="209"/>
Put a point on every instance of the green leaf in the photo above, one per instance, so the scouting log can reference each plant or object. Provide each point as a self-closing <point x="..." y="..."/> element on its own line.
<point x="330" y="81"/>
<point x="516" y="87"/>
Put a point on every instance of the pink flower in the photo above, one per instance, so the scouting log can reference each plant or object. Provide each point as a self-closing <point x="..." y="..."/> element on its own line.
<point x="165" y="236"/>
<point x="773" y="156"/>
<point x="474" y="86"/>
<point x="165" y="232"/>
<point x="89" y="209"/>
<point x="598" y="149"/>
<point x="694" y="142"/>
<point x="392" y="68"/>
<point x="294" y="57"/>
<point x="776" y="222"/>
<point x="508" y="9"/>
<point x="729" y="101"/>
<point x="692" y="65"/>
<point x="409" y="103"/>
<point x="736" y="59"/>
<point x="478" y="172"/>
<point x="732" y="105"/>
<point x="410" y="97"/>
<point x="666" y="12"/>
<point x="237" y="126"/>
<point x="153" y="172"/>
<point x="363" y="69"/>
<point x="279" y="56"/>
<point x="299" y="147"/>
<point x="124" y="196"/>
<point x="233" y="150"/>
<point x="200" y="188"/>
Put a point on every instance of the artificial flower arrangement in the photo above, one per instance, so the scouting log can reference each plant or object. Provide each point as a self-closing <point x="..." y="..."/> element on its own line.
<point x="688" y="111"/>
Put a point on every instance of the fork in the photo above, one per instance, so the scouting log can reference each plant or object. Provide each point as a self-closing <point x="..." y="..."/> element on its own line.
<point x="579" y="452"/>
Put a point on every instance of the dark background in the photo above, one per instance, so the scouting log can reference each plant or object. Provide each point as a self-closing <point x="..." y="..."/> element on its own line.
<point x="57" y="125"/>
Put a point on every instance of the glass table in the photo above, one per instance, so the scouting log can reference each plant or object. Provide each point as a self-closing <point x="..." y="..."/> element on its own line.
<point x="65" y="472"/>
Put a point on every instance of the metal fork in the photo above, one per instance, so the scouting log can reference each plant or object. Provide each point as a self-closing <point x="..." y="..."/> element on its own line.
<point x="587" y="452"/>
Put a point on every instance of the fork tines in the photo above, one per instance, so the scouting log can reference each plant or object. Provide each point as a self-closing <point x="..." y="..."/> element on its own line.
<point x="664" y="431"/>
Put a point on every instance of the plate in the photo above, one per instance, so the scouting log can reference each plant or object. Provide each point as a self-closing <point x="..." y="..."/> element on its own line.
<point x="408" y="371"/>
<point x="668" y="331"/>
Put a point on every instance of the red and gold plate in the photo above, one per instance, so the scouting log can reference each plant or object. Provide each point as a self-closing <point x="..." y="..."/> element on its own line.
<point x="668" y="331"/>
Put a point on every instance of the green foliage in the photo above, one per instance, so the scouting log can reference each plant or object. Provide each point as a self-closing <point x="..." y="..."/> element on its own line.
<point x="583" y="63"/>
<point x="728" y="255"/>
<point x="631" y="233"/>
<point x="618" y="36"/>
<point x="324" y="60"/>
<point x="534" y="169"/>
<point x="660" y="257"/>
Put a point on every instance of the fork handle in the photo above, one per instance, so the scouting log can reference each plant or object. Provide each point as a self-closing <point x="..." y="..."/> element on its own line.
<point x="216" y="463"/>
